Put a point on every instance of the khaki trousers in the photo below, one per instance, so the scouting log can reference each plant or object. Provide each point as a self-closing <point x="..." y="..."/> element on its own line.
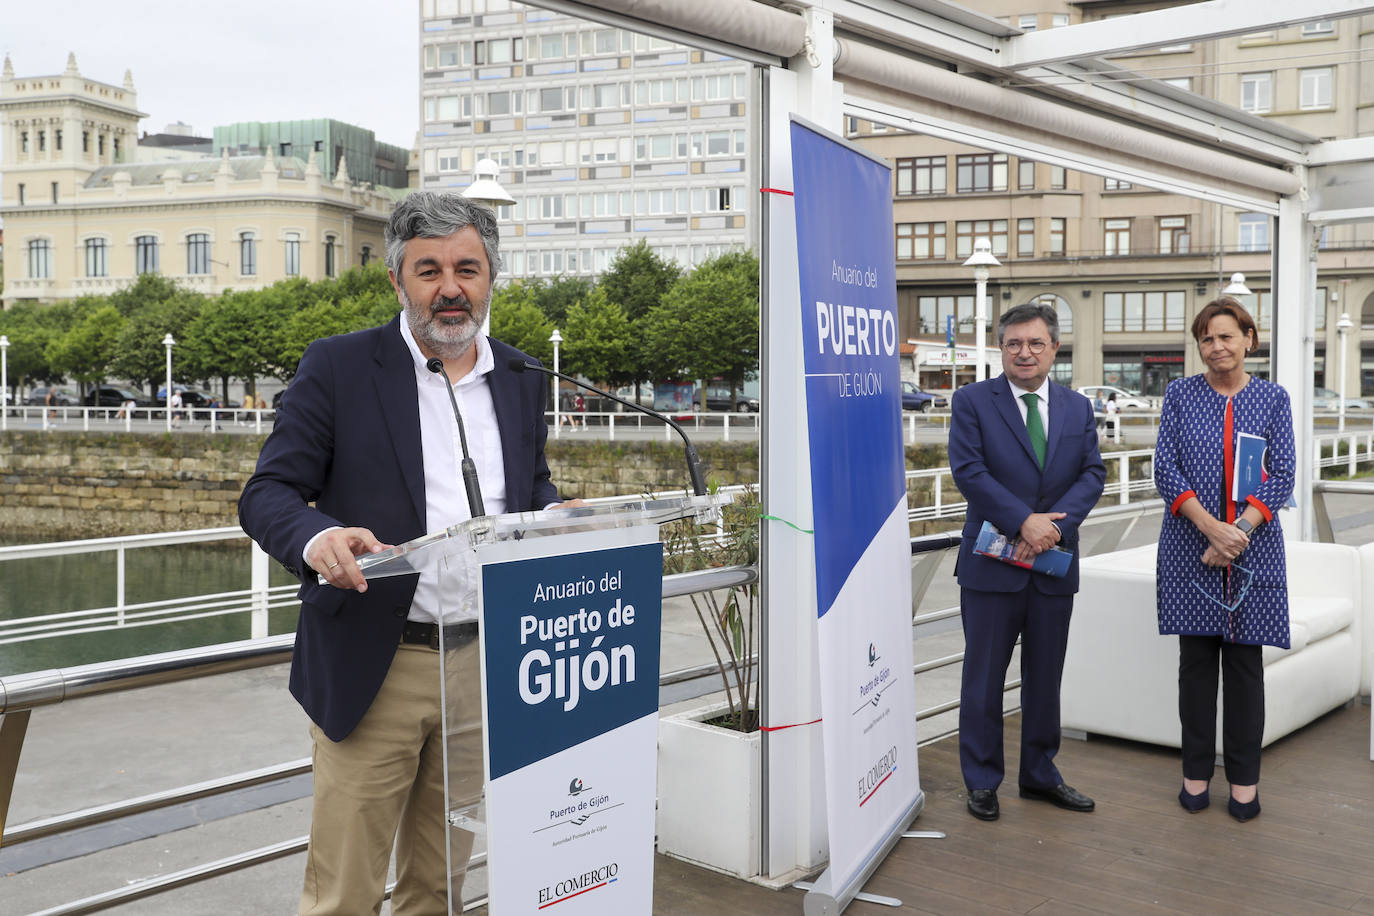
<point x="383" y="785"/>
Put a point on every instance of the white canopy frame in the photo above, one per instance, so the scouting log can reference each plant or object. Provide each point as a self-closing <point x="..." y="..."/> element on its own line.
<point x="941" y="69"/>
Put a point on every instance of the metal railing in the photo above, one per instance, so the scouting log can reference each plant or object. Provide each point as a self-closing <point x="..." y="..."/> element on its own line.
<point x="137" y="419"/>
<point x="21" y="694"/>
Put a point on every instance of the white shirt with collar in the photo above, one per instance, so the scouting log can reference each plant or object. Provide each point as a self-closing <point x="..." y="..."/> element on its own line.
<point x="1044" y="403"/>
<point x="446" y="501"/>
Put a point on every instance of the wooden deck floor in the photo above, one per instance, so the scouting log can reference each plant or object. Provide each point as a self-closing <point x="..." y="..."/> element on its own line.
<point x="1309" y="852"/>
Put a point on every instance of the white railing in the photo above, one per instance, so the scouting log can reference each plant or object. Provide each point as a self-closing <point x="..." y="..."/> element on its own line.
<point x="137" y="419"/>
<point x="717" y="424"/>
<point x="1358" y="447"/>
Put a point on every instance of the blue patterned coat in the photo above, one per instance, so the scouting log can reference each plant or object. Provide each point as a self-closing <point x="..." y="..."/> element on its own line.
<point x="1189" y="461"/>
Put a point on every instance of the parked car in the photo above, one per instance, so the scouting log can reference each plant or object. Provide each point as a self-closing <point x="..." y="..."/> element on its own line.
<point x="914" y="398"/>
<point x="1125" y="398"/>
<point x="64" y="397"/>
<point x="190" y="397"/>
<point x="1326" y="399"/>
<point x="718" y="398"/>
<point x="113" y="396"/>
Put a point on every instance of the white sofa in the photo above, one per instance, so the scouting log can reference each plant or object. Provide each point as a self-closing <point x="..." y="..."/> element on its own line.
<point x="1121" y="676"/>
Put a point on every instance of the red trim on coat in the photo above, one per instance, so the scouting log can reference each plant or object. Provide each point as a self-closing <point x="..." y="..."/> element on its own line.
<point x="1182" y="498"/>
<point x="1229" y="459"/>
<point x="1264" y="510"/>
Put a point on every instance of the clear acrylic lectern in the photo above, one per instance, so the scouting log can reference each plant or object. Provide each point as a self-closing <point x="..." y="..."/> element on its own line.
<point x="453" y="559"/>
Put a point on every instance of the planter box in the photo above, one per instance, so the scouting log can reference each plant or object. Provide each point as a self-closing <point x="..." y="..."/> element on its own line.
<point x="709" y="787"/>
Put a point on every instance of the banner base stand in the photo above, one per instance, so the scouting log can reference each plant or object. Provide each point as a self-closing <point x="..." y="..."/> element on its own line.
<point x="924" y="835"/>
<point x="822" y="899"/>
<point x="861" y="895"/>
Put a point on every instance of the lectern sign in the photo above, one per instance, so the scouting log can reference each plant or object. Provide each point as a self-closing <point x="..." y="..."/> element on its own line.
<point x="570" y="661"/>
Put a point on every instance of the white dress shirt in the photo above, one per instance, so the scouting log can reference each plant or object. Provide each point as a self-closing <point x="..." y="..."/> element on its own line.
<point x="1044" y="403"/>
<point x="446" y="501"/>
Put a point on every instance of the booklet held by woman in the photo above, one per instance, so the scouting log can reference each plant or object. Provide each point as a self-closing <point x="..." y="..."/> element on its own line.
<point x="995" y="544"/>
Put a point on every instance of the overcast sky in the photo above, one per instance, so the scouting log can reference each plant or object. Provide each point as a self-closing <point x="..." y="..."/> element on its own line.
<point x="249" y="60"/>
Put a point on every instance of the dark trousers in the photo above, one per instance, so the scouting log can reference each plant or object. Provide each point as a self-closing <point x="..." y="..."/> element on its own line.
<point x="992" y="623"/>
<point x="1242" y="722"/>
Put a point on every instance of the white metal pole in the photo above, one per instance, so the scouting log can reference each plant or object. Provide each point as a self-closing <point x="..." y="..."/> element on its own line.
<point x="168" y="342"/>
<point x="980" y="312"/>
<point x="4" y="382"/>
<point x="556" y="338"/>
<point x="1342" y="331"/>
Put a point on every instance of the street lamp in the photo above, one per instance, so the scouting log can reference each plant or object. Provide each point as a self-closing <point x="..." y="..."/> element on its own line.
<point x="1343" y="327"/>
<point x="555" y="338"/>
<point x="169" y="343"/>
<point x="487" y="191"/>
<point x="1236" y="287"/>
<point x="981" y="260"/>
<point x="4" y="382"/>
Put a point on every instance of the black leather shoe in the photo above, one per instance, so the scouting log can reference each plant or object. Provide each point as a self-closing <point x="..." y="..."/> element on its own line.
<point x="982" y="804"/>
<point x="1241" y="811"/>
<point x="1194" y="803"/>
<point x="1061" y="795"/>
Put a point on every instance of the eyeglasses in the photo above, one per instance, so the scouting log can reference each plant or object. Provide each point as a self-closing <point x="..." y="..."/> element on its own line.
<point x="1016" y="346"/>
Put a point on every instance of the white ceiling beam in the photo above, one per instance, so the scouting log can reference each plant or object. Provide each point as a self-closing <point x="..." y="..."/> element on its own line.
<point x="1175" y="25"/>
<point x="1354" y="149"/>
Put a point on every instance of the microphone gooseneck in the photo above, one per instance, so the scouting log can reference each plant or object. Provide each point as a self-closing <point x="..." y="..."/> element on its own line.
<point x="470" y="483"/>
<point x="516" y="364"/>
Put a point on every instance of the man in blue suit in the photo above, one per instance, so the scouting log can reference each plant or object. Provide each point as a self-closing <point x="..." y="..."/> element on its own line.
<point x="1023" y="452"/>
<point x="363" y="455"/>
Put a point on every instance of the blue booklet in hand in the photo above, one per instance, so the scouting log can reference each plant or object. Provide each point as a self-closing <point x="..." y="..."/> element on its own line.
<point x="993" y="543"/>
<point x="1249" y="472"/>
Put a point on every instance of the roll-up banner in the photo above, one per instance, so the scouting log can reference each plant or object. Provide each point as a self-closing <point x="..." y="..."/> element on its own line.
<point x="843" y="200"/>
<point x="570" y="658"/>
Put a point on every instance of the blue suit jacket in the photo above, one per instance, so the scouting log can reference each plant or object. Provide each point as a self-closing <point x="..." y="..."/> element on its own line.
<point x="995" y="469"/>
<point x="345" y="450"/>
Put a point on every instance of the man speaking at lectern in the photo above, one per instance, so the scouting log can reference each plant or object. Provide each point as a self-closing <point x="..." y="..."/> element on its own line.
<point x="1023" y="452"/>
<point x="364" y="454"/>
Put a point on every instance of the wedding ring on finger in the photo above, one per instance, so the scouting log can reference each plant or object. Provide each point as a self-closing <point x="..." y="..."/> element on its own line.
<point x="331" y="565"/>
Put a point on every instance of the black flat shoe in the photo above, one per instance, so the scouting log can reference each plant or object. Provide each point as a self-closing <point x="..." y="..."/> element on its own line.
<point x="982" y="804"/>
<point x="1244" y="811"/>
<point x="1061" y="796"/>
<point x="1194" y="803"/>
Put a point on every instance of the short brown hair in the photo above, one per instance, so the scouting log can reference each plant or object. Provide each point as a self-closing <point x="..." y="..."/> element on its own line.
<point x="1226" y="306"/>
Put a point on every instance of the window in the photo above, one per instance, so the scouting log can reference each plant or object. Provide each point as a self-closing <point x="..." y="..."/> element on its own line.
<point x="1059" y="177"/>
<point x="965" y="231"/>
<point x="40" y="259"/>
<point x="1173" y="235"/>
<point x="42" y="140"/>
<point x="1257" y="92"/>
<point x="284" y="149"/>
<point x="982" y="172"/>
<point x="1117" y="236"/>
<point x="921" y="175"/>
<point x="1025" y="238"/>
<point x="1180" y="82"/>
<point x="100" y="144"/>
<point x="97" y="258"/>
<point x="198" y="253"/>
<point x="1315" y="88"/>
<point x="1149" y="311"/>
<point x="1253" y="232"/>
<point x="1025" y="174"/>
<point x="1057" y="234"/>
<point x="293" y="254"/>
<point x="21" y="194"/>
<point x="54" y="192"/>
<point x="330" y="246"/>
<point x="1059" y="20"/>
<point x="934" y="313"/>
<point x="1320" y="27"/>
<point x="145" y="254"/>
<point x="57" y="140"/>
<point x="23" y="141"/>
<point x="920" y="241"/>
<point x="248" y="254"/>
<point x="365" y="256"/>
<point x="1062" y="311"/>
<point x="1115" y="184"/>
<point x="1026" y="22"/>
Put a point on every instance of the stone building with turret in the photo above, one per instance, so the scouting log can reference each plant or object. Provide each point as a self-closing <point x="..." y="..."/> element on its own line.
<point x="84" y="213"/>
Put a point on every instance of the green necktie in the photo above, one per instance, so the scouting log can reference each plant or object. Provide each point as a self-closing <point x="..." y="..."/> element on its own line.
<point x="1034" y="427"/>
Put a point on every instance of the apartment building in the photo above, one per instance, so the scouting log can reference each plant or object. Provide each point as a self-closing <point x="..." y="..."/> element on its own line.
<point x="1128" y="267"/>
<point x="603" y="137"/>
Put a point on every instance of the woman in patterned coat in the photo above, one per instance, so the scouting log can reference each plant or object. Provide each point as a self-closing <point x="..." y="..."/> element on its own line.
<point x="1222" y="585"/>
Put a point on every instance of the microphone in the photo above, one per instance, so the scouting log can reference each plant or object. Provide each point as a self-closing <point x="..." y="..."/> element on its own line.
<point x="475" y="507"/>
<point x="516" y="364"/>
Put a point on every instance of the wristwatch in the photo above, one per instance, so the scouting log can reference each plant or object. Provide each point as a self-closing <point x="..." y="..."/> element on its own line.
<point x="1244" y="525"/>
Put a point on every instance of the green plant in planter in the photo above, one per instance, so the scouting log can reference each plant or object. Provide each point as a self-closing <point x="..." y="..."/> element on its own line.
<point x="727" y="620"/>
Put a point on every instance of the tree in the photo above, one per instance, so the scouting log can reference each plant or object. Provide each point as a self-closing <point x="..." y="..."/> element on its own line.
<point x="233" y="338"/>
<point x="148" y="289"/>
<point x="139" y="354"/>
<point x="637" y="281"/>
<point x="518" y="321"/>
<point x="321" y="318"/>
<point x="83" y="351"/>
<point x="554" y="297"/>
<point x="598" y="340"/>
<point x="708" y="324"/>
<point x="30" y="328"/>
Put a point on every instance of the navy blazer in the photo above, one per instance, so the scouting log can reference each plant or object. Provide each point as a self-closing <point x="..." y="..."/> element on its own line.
<point x="345" y="450"/>
<point x="995" y="469"/>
